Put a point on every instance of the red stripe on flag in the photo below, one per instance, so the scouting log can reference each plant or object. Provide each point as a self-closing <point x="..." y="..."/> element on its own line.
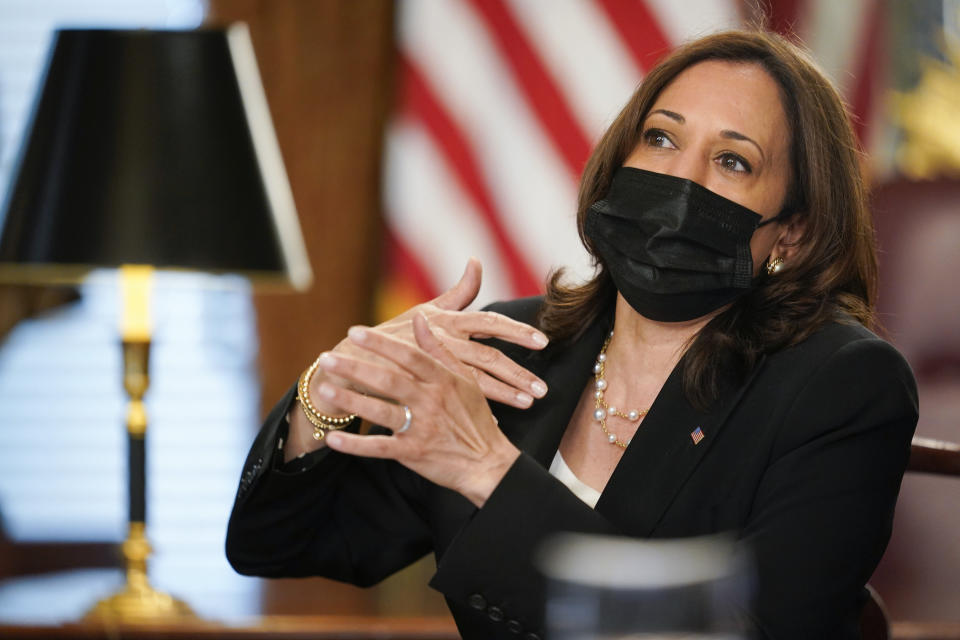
<point x="542" y="93"/>
<point x="784" y="15"/>
<point x="867" y="71"/>
<point x="419" y="98"/>
<point x="638" y="29"/>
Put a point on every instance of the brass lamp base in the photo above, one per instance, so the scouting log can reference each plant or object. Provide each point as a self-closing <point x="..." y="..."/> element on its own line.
<point x="138" y="602"/>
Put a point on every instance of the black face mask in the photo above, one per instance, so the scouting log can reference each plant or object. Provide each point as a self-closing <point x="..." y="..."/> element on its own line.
<point x="675" y="250"/>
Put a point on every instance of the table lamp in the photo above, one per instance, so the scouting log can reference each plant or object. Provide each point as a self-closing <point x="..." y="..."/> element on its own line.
<point x="147" y="150"/>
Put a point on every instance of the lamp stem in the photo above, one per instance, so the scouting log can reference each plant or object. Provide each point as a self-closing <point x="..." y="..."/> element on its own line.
<point x="137" y="602"/>
<point x="136" y="379"/>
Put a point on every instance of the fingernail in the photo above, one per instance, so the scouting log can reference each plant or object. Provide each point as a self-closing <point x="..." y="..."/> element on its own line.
<point x="334" y="439"/>
<point x="524" y="399"/>
<point x="539" y="339"/>
<point x="327" y="359"/>
<point x="357" y="334"/>
<point x="539" y="389"/>
<point x="326" y="391"/>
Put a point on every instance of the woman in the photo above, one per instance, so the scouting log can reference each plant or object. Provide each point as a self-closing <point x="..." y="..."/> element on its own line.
<point x="715" y="375"/>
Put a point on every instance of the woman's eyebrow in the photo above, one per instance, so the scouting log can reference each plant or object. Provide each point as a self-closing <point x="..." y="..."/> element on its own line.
<point x="673" y="115"/>
<point x="736" y="135"/>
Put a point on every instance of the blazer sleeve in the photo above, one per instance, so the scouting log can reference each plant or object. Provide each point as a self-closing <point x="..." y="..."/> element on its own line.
<point x="823" y="511"/>
<point x="348" y="518"/>
<point x="493" y="556"/>
<point x="351" y="519"/>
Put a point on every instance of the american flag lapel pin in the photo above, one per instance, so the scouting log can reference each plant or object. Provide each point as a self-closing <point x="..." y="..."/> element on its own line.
<point x="696" y="435"/>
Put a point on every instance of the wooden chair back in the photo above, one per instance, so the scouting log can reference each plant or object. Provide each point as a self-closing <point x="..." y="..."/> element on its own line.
<point x="926" y="456"/>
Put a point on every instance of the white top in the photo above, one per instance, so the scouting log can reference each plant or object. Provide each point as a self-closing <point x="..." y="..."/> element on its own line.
<point x="560" y="471"/>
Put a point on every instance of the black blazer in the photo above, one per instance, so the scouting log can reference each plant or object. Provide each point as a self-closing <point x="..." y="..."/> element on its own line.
<point x="803" y="461"/>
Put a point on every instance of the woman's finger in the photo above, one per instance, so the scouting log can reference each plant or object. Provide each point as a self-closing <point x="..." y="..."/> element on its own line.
<point x="375" y="410"/>
<point x="498" y="391"/>
<point x="498" y="365"/>
<point x="379" y="379"/>
<point x="465" y="291"/>
<point x="489" y="324"/>
<point x="430" y="343"/>
<point x="365" y="446"/>
<point x="400" y="352"/>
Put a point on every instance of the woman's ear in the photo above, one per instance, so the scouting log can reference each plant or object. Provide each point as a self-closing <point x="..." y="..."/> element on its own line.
<point x="790" y="238"/>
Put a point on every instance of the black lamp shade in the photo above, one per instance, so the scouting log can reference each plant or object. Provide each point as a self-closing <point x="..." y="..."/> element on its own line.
<point x="143" y="150"/>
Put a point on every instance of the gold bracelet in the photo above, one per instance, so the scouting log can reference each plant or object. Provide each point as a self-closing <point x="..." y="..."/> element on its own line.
<point x="320" y="428"/>
<point x="321" y="422"/>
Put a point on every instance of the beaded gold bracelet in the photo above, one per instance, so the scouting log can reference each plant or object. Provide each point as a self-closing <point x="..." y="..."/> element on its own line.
<point x="321" y="422"/>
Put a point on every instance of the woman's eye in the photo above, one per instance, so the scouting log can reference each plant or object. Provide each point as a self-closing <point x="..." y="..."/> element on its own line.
<point x="733" y="162"/>
<point x="657" y="138"/>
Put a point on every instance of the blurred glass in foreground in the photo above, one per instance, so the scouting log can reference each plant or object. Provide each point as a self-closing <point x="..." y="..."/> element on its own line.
<point x="608" y="588"/>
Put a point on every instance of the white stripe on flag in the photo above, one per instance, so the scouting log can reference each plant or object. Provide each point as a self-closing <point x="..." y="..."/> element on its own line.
<point x="584" y="55"/>
<point x="528" y="181"/>
<point x="819" y="23"/>
<point x="432" y="216"/>
<point x="689" y="19"/>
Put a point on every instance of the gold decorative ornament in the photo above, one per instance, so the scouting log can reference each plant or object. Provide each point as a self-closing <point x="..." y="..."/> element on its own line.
<point x="927" y="116"/>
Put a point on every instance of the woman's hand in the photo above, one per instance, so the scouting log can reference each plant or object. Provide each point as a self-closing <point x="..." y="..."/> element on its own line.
<point x="452" y="438"/>
<point x="500" y="378"/>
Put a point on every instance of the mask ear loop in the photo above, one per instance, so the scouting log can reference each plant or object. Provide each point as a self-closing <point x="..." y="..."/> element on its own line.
<point x="776" y="264"/>
<point x="788" y="210"/>
<point x="783" y="215"/>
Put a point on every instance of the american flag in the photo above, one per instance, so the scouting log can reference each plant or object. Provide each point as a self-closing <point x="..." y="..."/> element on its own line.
<point x="499" y="103"/>
<point x="696" y="435"/>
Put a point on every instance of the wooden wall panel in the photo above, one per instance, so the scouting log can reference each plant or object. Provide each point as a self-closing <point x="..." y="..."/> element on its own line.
<point x="327" y="69"/>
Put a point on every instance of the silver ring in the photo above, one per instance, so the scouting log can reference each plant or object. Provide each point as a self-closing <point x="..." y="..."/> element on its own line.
<point x="407" y="419"/>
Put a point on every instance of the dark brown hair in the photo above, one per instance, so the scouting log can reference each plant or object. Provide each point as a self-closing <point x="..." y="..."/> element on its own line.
<point x="835" y="270"/>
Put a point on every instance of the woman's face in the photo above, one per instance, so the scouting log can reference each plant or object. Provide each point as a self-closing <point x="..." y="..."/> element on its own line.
<point x="722" y="125"/>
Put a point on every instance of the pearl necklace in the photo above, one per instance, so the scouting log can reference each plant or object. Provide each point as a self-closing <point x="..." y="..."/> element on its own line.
<point x="603" y="410"/>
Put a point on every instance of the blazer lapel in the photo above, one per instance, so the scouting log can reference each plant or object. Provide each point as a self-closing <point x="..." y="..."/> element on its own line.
<point x="566" y="369"/>
<point x="660" y="457"/>
<point x="663" y="453"/>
